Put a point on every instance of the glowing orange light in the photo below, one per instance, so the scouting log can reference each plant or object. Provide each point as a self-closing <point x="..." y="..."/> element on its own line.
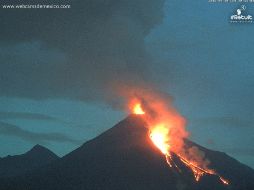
<point x="224" y="181"/>
<point x="167" y="132"/>
<point x="138" y="109"/>
<point x="197" y="171"/>
<point x="159" y="136"/>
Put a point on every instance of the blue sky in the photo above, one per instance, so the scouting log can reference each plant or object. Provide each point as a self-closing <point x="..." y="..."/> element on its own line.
<point x="203" y="61"/>
<point x="212" y="73"/>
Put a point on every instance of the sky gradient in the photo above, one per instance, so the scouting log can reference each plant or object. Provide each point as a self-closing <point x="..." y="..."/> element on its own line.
<point x="55" y="76"/>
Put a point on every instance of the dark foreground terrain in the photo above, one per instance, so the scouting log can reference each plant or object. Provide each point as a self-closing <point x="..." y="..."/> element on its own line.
<point x="124" y="158"/>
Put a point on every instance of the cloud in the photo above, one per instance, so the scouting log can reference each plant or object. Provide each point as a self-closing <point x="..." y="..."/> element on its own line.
<point x="223" y="121"/>
<point x="25" y="115"/>
<point x="79" y="53"/>
<point x="13" y="130"/>
<point x="38" y="116"/>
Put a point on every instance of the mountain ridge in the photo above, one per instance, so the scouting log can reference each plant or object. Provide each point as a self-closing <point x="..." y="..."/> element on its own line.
<point x="124" y="157"/>
<point x="37" y="157"/>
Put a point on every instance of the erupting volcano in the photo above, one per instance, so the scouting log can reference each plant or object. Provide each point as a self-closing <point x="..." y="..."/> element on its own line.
<point x="167" y="132"/>
<point x="131" y="155"/>
<point x="147" y="150"/>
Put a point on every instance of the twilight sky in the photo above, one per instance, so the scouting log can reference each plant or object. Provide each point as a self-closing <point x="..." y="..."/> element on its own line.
<point x="58" y="69"/>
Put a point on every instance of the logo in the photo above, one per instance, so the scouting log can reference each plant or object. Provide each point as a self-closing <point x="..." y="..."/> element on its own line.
<point x="241" y="16"/>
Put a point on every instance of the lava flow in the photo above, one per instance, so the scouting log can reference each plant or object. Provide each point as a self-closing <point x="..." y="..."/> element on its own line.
<point x="138" y="110"/>
<point x="167" y="132"/>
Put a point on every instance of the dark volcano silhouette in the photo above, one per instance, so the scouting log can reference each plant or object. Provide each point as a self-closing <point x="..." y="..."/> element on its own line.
<point x="35" y="158"/>
<point x="125" y="158"/>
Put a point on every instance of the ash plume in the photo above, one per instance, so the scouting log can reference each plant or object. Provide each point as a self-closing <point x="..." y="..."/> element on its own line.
<point x="94" y="51"/>
<point x="83" y="53"/>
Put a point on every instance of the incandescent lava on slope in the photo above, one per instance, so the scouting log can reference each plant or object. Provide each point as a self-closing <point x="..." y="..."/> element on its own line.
<point x="167" y="132"/>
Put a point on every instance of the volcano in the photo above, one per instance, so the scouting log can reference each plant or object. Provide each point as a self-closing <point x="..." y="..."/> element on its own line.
<point x="35" y="158"/>
<point x="124" y="157"/>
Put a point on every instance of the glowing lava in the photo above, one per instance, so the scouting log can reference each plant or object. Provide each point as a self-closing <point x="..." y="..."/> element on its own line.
<point x="166" y="130"/>
<point x="138" y="110"/>
<point x="159" y="136"/>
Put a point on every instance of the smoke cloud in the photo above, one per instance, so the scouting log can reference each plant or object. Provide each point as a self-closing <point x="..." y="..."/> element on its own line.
<point x="13" y="130"/>
<point x="84" y="52"/>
